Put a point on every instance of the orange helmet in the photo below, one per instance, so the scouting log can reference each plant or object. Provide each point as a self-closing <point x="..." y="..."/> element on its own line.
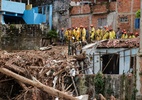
<point x="131" y="33"/>
<point x="81" y="26"/>
<point x="136" y="33"/>
<point x="62" y="29"/>
<point x="125" y="32"/>
<point x="91" y="25"/>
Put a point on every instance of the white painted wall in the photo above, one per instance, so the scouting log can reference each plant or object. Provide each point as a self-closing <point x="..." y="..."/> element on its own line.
<point x="124" y="61"/>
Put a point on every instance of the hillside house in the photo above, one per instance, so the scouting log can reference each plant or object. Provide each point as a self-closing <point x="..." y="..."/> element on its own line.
<point x="114" y="56"/>
<point x="114" y="13"/>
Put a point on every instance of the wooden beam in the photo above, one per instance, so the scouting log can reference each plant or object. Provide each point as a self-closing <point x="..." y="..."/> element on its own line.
<point x="38" y="84"/>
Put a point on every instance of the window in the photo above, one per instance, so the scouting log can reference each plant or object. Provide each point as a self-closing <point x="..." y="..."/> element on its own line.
<point x="110" y="64"/>
<point x="102" y="22"/>
<point x="123" y="19"/>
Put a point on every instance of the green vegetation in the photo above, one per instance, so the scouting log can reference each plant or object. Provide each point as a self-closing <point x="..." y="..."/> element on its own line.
<point x="138" y="14"/>
<point x="99" y="82"/>
<point x="52" y="34"/>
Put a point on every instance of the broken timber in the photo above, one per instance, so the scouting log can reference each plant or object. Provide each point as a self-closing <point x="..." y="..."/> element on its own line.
<point x="38" y="84"/>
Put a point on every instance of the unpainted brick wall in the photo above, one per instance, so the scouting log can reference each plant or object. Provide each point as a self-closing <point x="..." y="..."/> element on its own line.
<point x="121" y="7"/>
<point x="82" y="20"/>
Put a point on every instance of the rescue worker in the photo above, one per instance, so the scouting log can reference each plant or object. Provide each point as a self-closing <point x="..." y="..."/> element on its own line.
<point x="73" y="33"/>
<point x="87" y="34"/>
<point x="99" y="34"/>
<point x="112" y="34"/>
<point x="106" y="35"/>
<point x="131" y="35"/>
<point x="124" y="35"/>
<point x="61" y="36"/>
<point x="118" y="33"/>
<point x="92" y="32"/>
<point x="83" y="34"/>
<point x="68" y="34"/>
<point x="77" y="34"/>
<point x="136" y="34"/>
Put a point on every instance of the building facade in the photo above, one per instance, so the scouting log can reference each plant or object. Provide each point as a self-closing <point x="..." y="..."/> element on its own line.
<point x="113" y="13"/>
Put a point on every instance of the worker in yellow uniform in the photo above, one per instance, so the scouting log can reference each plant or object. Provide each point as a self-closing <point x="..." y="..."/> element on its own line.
<point x="68" y="34"/>
<point x="83" y="35"/>
<point x="112" y="34"/>
<point x="131" y="35"/>
<point x="124" y="35"/>
<point x="106" y="34"/>
<point x="99" y="34"/>
<point x="92" y="32"/>
<point x="77" y="34"/>
<point x="73" y="33"/>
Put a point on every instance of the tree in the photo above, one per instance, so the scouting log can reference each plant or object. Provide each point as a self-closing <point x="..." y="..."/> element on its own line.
<point x="52" y="34"/>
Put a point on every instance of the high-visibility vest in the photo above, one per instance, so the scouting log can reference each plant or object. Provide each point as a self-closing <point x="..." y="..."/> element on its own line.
<point x="112" y="35"/>
<point x="92" y="33"/>
<point x="106" y="36"/>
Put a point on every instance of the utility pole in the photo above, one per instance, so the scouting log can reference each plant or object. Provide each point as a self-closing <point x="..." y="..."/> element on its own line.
<point x="140" y="28"/>
<point x="28" y="2"/>
<point x="139" y="60"/>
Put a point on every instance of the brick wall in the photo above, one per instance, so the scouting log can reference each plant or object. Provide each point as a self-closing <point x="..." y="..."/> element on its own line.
<point x="124" y="6"/>
<point x="95" y="19"/>
<point x="80" y="9"/>
<point x="81" y="20"/>
<point x="100" y="8"/>
<point x="121" y="7"/>
<point x="136" y="5"/>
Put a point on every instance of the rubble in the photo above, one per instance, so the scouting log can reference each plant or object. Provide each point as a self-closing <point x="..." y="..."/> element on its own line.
<point x="123" y="43"/>
<point x="49" y="73"/>
<point x="45" y="70"/>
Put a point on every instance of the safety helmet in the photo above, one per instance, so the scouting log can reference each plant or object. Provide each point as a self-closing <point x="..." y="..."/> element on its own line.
<point x="91" y="25"/>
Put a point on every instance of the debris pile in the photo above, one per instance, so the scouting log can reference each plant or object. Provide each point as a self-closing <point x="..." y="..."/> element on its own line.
<point x="38" y="73"/>
<point x="126" y="43"/>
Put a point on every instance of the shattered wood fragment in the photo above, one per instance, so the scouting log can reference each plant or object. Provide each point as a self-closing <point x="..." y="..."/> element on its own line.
<point x="45" y="88"/>
<point x="15" y="67"/>
<point x="23" y="85"/>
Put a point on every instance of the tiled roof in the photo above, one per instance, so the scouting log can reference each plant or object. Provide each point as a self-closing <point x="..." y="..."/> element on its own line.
<point x="120" y="43"/>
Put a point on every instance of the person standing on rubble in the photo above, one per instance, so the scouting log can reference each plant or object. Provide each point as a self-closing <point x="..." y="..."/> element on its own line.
<point x="99" y="34"/>
<point x="124" y="35"/>
<point x="73" y="33"/>
<point x="83" y="34"/>
<point x="106" y="34"/>
<point x="118" y="33"/>
<point x="92" y="32"/>
<point x="131" y="35"/>
<point x="112" y="34"/>
<point x="136" y="34"/>
<point x="61" y="36"/>
<point x="87" y="35"/>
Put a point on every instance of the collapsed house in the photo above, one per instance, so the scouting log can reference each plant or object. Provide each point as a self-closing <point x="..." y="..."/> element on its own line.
<point x="53" y="74"/>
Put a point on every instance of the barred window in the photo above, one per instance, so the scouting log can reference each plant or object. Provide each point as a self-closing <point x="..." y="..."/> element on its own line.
<point x="102" y="22"/>
<point x="123" y="19"/>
